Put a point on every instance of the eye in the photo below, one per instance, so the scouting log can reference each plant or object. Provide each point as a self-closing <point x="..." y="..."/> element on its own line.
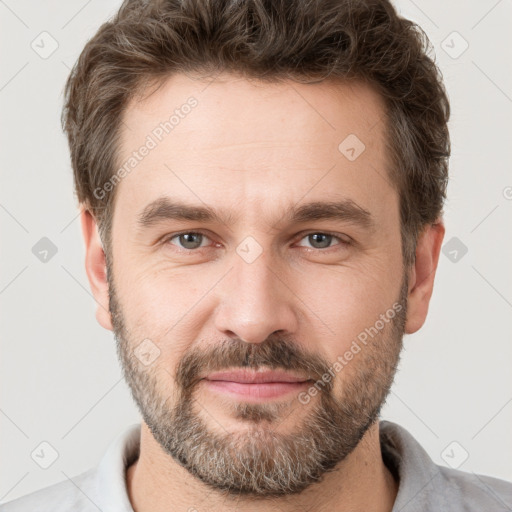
<point x="321" y="240"/>
<point x="189" y="240"/>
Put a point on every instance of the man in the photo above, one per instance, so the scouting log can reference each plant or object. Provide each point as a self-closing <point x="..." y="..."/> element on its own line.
<point x="262" y="185"/>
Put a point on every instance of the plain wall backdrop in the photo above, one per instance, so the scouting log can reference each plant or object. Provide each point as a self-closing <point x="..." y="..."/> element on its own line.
<point x="60" y="379"/>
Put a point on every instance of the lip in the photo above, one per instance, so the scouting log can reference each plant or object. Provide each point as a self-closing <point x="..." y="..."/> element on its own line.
<point x="256" y="386"/>
<point x="256" y="377"/>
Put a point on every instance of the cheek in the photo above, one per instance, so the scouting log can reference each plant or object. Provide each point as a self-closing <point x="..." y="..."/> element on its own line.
<point x="341" y="303"/>
<point x="151" y="291"/>
<point x="166" y="306"/>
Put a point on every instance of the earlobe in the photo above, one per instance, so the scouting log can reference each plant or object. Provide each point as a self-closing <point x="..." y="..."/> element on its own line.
<point x="95" y="267"/>
<point x="422" y="274"/>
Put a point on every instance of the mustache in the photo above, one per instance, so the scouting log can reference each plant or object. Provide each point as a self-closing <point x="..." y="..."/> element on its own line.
<point x="275" y="353"/>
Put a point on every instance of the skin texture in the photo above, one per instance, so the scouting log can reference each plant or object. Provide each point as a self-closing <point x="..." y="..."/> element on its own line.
<point x="252" y="150"/>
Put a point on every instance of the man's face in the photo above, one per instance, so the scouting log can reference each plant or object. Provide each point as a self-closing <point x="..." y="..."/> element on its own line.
<point x="272" y="284"/>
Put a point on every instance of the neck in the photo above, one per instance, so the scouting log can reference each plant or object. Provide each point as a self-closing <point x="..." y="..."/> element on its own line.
<point x="157" y="483"/>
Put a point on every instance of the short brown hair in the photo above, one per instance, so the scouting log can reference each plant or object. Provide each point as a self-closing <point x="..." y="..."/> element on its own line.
<point x="272" y="40"/>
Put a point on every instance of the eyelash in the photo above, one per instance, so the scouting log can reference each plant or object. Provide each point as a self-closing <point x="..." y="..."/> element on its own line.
<point x="342" y="243"/>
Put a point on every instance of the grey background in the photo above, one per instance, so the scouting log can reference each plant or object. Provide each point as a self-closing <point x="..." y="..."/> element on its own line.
<point x="60" y="379"/>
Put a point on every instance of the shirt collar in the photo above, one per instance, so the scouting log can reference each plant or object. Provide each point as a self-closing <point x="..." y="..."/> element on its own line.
<point x="111" y="475"/>
<point x="412" y="467"/>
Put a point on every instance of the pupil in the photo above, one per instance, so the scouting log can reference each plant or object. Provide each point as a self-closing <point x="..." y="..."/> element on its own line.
<point x="327" y="239"/>
<point x="187" y="240"/>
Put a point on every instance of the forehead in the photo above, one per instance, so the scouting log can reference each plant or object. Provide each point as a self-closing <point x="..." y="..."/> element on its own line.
<point x="232" y="141"/>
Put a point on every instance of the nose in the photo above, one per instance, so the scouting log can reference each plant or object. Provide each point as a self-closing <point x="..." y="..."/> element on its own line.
<point x="255" y="301"/>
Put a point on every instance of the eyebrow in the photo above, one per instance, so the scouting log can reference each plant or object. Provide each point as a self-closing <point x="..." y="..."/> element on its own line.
<point x="165" y="208"/>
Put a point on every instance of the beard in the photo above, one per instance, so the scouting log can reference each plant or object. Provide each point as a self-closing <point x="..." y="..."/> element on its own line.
<point x="258" y="461"/>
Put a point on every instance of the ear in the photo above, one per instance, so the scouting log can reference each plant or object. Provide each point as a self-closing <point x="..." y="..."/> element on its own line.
<point x="96" y="268"/>
<point x="421" y="275"/>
